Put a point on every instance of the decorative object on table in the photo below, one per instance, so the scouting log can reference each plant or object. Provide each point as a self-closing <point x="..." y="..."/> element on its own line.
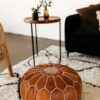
<point x="51" y="82"/>
<point x="36" y="12"/>
<point x="46" y="13"/>
<point x="46" y="4"/>
<point x="98" y="17"/>
<point x="4" y="55"/>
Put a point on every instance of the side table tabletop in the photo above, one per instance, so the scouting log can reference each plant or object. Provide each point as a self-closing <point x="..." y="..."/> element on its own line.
<point x="41" y="20"/>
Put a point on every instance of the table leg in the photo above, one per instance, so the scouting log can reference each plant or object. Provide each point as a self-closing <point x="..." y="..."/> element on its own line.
<point x="32" y="44"/>
<point x="36" y="39"/>
<point x="60" y="41"/>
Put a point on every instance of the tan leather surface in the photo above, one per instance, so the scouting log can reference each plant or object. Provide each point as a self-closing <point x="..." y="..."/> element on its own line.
<point x="3" y="51"/>
<point x="51" y="84"/>
<point x="2" y="43"/>
<point x="4" y="55"/>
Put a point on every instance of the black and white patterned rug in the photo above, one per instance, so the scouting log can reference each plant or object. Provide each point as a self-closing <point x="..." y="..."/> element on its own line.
<point x="87" y="66"/>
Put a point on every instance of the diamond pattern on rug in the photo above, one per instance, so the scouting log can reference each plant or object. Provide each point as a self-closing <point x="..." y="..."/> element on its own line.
<point x="87" y="66"/>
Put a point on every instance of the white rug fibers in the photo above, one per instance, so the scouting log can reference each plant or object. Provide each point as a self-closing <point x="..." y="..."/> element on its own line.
<point x="87" y="66"/>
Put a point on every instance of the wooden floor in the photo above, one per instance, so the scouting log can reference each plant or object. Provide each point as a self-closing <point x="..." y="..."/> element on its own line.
<point x="20" y="47"/>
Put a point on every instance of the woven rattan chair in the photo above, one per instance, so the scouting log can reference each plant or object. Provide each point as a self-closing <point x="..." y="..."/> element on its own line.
<point x="4" y="56"/>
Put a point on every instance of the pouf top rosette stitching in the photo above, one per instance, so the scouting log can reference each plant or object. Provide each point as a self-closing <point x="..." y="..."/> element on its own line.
<point x="51" y="82"/>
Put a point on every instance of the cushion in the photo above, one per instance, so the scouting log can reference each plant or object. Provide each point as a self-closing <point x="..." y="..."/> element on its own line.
<point x="88" y="16"/>
<point x="98" y="17"/>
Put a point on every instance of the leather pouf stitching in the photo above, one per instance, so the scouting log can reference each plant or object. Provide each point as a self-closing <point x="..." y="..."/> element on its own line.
<point x="51" y="82"/>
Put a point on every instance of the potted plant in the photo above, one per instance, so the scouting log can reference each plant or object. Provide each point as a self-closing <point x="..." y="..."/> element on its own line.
<point x="35" y="12"/>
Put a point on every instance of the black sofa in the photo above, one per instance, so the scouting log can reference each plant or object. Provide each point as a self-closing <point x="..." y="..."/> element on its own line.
<point x="82" y="35"/>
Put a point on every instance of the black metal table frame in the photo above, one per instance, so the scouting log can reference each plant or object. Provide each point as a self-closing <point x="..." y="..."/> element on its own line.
<point x="32" y="38"/>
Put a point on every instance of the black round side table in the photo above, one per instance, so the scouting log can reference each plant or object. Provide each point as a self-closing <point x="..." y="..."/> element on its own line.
<point x="41" y="20"/>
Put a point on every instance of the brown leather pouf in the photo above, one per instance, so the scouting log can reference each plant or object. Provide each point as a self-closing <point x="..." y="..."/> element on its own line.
<point x="51" y="82"/>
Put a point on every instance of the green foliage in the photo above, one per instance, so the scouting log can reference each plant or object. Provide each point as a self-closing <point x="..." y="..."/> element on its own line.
<point x="43" y="3"/>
